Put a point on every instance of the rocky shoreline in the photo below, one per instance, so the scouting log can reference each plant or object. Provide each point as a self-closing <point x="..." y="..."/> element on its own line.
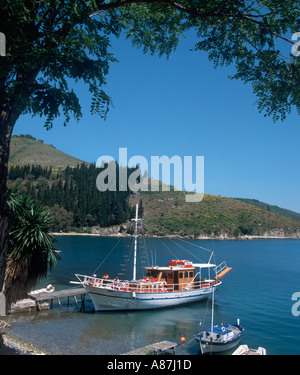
<point x="13" y="346"/>
<point x="267" y="236"/>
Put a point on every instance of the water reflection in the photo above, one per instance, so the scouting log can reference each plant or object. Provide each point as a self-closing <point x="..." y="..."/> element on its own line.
<point x="258" y="291"/>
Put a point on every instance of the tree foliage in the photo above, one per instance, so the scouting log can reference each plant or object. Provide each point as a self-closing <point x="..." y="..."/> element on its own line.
<point x="30" y="238"/>
<point x="72" y="195"/>
<point x="31" y="248"/>
<point x="51" y="43"/>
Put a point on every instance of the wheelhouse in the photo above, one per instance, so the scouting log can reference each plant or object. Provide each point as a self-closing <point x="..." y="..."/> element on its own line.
<point x="174" y="278"/>
<point x="181" y="275"/>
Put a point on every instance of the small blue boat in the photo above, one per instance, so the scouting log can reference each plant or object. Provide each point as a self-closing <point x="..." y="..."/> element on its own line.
<point x="219" y="338"/>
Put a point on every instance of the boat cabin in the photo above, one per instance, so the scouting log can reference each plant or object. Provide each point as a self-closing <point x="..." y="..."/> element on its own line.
<point x="221" y="333"/>
<point x="178" y="276"/>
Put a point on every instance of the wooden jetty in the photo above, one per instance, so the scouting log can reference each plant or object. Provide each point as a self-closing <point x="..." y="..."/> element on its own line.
<point x="50" y="296"/>
<point x="157" y="348"/>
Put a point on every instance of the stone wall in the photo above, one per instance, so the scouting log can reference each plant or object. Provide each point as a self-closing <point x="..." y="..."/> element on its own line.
<point x="27" y="305"/>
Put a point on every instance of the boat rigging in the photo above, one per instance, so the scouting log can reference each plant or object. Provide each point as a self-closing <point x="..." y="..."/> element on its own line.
<point x="181" y="281"/>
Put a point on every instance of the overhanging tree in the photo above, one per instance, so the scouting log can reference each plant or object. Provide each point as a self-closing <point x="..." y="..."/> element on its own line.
<point x="53" y="42"/>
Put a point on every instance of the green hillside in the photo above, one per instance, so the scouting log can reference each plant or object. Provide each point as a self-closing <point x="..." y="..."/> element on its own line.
<point x="167" y="213"/>
<point x="272" y="208"/>
<point x="76" y="203"/>
<point x="26" y="149"/>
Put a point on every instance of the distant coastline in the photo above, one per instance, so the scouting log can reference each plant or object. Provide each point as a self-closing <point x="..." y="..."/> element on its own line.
<point x="221" y="237"/>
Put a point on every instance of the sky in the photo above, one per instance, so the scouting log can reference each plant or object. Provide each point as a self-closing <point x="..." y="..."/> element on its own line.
<point x="183" y="106"/>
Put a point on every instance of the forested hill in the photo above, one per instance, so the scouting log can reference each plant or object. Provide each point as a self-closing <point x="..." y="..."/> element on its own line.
<point x="71" y="194"/>
<point x="76" y="204"/>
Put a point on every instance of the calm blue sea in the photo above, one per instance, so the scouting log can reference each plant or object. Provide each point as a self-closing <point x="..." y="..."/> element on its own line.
<point x="258" y="290"/>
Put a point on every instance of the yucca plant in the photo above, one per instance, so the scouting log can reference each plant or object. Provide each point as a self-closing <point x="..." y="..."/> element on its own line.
<point x="31" y="247"/>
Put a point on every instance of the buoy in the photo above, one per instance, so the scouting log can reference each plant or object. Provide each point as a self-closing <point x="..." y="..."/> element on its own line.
<point x="182" y="340"/>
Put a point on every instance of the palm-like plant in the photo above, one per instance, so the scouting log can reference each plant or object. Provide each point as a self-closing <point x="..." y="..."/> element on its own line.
<point x="31" y="247"/>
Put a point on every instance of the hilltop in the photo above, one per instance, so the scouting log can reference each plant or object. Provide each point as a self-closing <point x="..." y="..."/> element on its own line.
<point x="25" y="149"/>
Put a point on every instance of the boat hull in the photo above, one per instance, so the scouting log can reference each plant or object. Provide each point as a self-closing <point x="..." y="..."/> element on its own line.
<point x="220" y="338"/>
<point x="113" y="300"/>
<point x="218" y="348"/>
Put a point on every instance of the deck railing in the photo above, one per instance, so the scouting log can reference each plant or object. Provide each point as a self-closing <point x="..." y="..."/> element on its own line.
<point x="146" y="286"/>
<point x="221" y="267"/>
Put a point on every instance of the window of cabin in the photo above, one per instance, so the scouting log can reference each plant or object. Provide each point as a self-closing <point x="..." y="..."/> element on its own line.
<point x="170" y="275"/>
<point x="153" y="273"/>
<point x="191" y="274"/>
<point x="180" y="275"/>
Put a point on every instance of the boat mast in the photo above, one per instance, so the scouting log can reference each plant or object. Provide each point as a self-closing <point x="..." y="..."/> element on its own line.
<point x="212" y="311"/>
<point x="135" y="241"/>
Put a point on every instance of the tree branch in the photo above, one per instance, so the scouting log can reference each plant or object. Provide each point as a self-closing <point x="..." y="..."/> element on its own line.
<point x="267" y="28"/>
<point x="193" y="12"/>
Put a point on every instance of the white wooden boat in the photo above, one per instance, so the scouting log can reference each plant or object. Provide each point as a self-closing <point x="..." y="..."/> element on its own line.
<point x="245" y="350"/>
<point x="178" y="283"/>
